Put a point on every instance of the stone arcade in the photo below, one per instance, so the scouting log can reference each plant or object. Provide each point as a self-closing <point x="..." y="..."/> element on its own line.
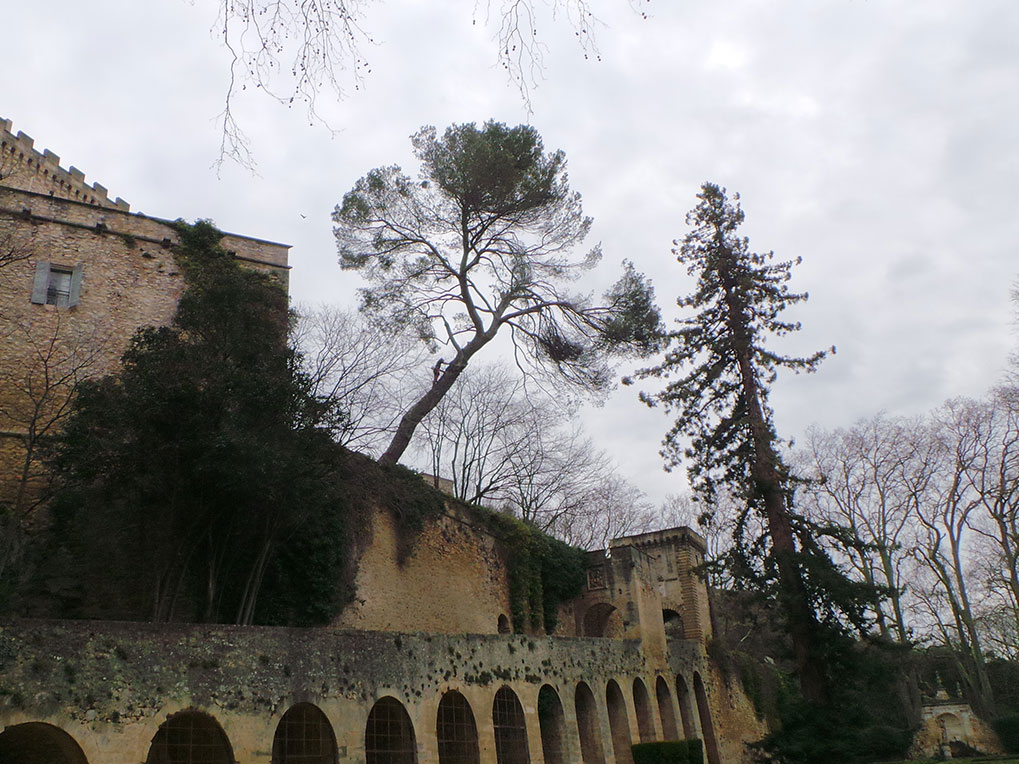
<point x="420" y="669"/>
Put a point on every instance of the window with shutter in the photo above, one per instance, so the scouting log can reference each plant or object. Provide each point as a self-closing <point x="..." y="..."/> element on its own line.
<point x="58" y="285"/>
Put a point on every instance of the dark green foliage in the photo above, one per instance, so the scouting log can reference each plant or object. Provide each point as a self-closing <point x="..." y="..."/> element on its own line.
<point x="1007" y="728"/>
<point x="543" y="571"/>
<point x="867" y="720"/>
<point x="203" y="475"/>
<point x="669" y="752"/>
<point x="1004" y="678"/>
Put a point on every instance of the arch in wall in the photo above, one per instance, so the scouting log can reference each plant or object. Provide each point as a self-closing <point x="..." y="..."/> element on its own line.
<point x="950" y="727"/>
<point x="642" y="707"/>
<point x="389" y="734"/>
<point x="685" y="711"/>
<point x="673" y="623"/>
<point x="504" y="624"/>
<point x="552" y="724"/>
<point x="704" y="714"/>
<point x="304" y="736"/>
<point x="510" y="728"/>
<point x="618" y="726"/>
<point x="190" y="737"/>
<point x="591" y="750"/>
<point x="33" y="742"/>
<point x="666" y="710"/>
<point x="602" y="620"/>
<point x="456" y="731"/>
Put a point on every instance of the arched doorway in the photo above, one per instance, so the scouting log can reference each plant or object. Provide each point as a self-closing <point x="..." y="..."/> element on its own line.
<point x="618" y="726"/>
<point x="190" y="737"/>
<point x="642" y="707"/>
<point x="685" y="711"/>
<point x="666" y="710"/>
<point x="673" y="623"/>
<point x="591" y="750"/>
<point x="552" y="723"/>
<point x="304" y="736"/>
<point x="39" y="743"/>
<point x="389" y="734"/>
<point x="704" y="714"/>
<point x="602" y="620"/>
<point x="456" y="731"/>
<point x="510" y="728"/>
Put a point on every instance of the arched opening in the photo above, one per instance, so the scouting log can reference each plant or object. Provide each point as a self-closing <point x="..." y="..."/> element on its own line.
<point x="389" y="734"/>
<point x="666" y="710"/>
<point x="704" y="714"/>
<point x="39" y="743"/>
<point x="673" y="623"/>
<point x="455" y="730"/>
<point x="304" y="736"/>
<point x="950" y="727"/>
<point x="642" y="706"/>
<point x="591" y="750"/>
<point x="685" y="711"/>
<point x="190" y="737"/>
<point x="510" y="728"/>
<point x="552" y="723"/>
<point x="504" y="624"/>
<point x="618" y="725"/>
<point x="602" y="620"/>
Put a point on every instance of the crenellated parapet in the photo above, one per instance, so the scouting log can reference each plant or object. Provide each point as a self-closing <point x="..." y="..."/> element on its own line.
<point x="25" y="168"/>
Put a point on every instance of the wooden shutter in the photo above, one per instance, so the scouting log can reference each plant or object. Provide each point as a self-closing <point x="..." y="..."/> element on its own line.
<point x="42" y="280"/>
<point x="76" y="274"/>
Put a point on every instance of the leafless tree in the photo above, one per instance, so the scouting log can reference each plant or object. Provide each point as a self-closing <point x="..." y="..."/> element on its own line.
<point x="365" y="369"/>
<point x="945" y="514"/>
<point x="516" y="449"/>
<point x="298" y="50"/>
<point x="37" y="394"/>
<point x="868" y="479"/>
<point x="477" y="435"/>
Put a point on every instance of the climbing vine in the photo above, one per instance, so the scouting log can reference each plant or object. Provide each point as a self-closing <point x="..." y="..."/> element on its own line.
<point x="543" y="572"/>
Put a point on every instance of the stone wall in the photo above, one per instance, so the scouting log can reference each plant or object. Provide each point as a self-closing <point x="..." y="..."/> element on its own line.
<point x="22" y="166"/>
<point x="110" y="686"/>
<point x="128" y="279"/>
<point x="454" y="580"/>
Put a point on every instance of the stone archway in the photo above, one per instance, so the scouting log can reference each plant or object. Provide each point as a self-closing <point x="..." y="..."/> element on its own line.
<point x="39" y="743"/>
<point x="304" y="736"/>
<point x="389" y="734"/>
<point x="188" y="737"/>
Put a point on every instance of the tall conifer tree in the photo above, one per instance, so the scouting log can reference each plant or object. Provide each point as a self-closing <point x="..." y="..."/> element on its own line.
<point x="719" y="373"/>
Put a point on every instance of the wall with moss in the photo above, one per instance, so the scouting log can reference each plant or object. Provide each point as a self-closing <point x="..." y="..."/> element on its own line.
<point x="110" y="685"/>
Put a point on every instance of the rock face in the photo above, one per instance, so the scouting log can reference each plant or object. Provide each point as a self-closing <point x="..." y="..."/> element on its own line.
<point x="421" y="667"/>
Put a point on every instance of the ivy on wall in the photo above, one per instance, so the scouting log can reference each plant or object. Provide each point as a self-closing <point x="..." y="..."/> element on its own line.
<point x="543" y="572"/>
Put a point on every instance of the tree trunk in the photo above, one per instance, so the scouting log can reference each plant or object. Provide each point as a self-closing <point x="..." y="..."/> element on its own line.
<point x="424" y="405"/>
<point x="769" y="481"/>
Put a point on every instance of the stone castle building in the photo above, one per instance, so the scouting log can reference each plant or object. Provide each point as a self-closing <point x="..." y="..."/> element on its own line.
<point x="421" y="668"/>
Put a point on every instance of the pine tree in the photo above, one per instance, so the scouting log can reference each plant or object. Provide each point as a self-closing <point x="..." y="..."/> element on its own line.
<point x="720" y="371"/>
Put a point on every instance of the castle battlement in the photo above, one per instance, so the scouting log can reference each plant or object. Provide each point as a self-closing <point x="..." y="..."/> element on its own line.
<point x="23" y="166"/>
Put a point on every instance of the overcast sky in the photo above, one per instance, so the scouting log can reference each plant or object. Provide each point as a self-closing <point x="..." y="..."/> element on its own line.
<point x="875" y="139"/>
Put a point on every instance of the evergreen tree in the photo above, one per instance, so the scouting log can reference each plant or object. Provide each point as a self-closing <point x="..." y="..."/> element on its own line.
<point x="720" y="371"/>
<point x="484" y="245"/>
<point x="203" y="475"/>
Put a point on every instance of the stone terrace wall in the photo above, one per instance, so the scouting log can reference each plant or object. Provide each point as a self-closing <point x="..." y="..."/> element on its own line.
<point x="111" y="685"/>
<point x="454" y="580"/>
